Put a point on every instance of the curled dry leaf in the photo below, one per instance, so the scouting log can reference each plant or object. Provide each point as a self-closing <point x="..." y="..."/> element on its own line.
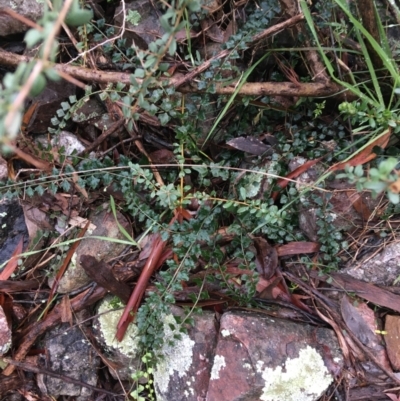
<point x="266" y="258"/>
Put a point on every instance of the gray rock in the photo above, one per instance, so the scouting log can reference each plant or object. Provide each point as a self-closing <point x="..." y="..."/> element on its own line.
<point x="70" y="354"/>
<point x="381" y="269"/>
<point x="31" y="9"/>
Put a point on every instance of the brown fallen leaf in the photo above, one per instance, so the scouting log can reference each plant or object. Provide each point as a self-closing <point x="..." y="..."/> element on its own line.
<point x="162" y="156"/>
<point x="297" y="248"/>
<point x="101" y="273"/>
<point x="393" y="397"/>
<point x="66" y="313"/>
<point x="366" y="154"/>
<point x="64" y="266"/>
<point x="359" y="205"/>
<point x="370" y="292"/>
<point x="250" y="145"/>
<point x="266" y="258"/>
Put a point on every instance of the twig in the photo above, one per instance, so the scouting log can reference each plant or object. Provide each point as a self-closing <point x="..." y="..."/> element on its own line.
<point x="252" y="89"/>
<point x="114" y="127"/>
<point x="35" y="369"/>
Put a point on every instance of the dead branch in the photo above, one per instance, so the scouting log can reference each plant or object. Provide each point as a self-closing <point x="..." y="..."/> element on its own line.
<point x="248" y="89"/>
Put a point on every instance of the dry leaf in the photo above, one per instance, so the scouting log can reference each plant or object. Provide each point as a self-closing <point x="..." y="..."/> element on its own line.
<point x="365" y="155"/>
<point x="297" y="248"/>
<point x="249" y="145"/>
<point x="359" y="205"/>
<point x="266" y="258"/>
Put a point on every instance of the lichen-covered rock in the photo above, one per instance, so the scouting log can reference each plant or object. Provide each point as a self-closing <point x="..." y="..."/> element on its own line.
<point x="259" y="358"/>
<point x="125" y="353"/>
<point x="183" y="369"/>
<point x="184" y="372"/>
<point x="300" y="379"/>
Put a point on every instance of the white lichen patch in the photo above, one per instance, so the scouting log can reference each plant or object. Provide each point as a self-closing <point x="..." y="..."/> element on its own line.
<point x="108" y="321"/>
<point x="225" y="333"/>
<point x="259" y="366"/>
<point x="305" y="378"/>
<point x="176" y="358"/>
<point x="219" y="363"/>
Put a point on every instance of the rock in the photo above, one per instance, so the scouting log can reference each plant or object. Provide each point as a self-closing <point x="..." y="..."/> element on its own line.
<point x="13" y="228"/>
<point x="70" y="354"/>
<point x="31" y="9"/>
<point x="125" y="353"/>
<point x="184" y="372"/>
<point x="392" y="340"/>
<point x="92" y="112"/>
<point x="5" y="333"/>
<point x="272" y="359"/>
<point x="106" y="226"/>
<point x="382" y="269"/>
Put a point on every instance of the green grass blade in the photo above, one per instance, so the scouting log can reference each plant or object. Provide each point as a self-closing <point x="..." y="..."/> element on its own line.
<point x="327" y="62"/>
<point x="387" y="61"/>
<point x="371" y="68"/>
<point x="122" y="229"/>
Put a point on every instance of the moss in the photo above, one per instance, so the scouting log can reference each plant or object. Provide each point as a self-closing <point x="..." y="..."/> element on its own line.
<point x="303" y="379"/>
